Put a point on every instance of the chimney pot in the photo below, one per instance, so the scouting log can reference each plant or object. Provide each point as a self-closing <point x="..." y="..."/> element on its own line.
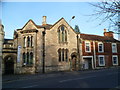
<point x="44" y="20"/>
<point x="108" y="34"/>
<point x="105" y="30"/>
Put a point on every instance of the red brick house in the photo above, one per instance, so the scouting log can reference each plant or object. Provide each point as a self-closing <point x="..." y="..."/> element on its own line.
<point x="100" y="51"/>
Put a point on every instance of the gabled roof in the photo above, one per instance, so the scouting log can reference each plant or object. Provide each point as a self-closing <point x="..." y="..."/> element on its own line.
<point x="47" y="26"/>
<point x="28" y="22"/>
<point x="65" y="21"/>
<point x="98" y="38"/>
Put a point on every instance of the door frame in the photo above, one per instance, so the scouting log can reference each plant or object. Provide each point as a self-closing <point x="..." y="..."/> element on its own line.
<point x="91" y="60"/>
<point x="13" y="61"/>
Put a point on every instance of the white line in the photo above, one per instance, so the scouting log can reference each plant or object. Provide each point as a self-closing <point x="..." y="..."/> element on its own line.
<point x="76" y="79"/>
<point x="29" y="86"/>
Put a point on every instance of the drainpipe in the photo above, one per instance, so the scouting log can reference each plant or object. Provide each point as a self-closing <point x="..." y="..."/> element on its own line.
<point x="94" y="54"/>
<point x="36" y="59"/>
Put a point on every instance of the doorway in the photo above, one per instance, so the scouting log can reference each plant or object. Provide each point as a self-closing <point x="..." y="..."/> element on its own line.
<point x="73" y="61"/>
<point x="9" y="65"/>
<point x="87" y="64"/>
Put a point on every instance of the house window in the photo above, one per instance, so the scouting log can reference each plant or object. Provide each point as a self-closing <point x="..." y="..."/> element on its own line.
<point x="24" y="42"/>
<point x="28" y="41"/>
<point x="87" y="47"/>
<point x="24" y="58"/>
<point x="31" y="58"/>
<point x="27" y="58"/>
<point x="100" y="47"/>
<point x="101" y="60"/>
<point x="66" y="55"/>
<point x="115" y="60"/>
<point x="114" y="48"/>
<point x="63" y="55"/>
<point x="62" y="34"/>
<point x="59" y="54"/>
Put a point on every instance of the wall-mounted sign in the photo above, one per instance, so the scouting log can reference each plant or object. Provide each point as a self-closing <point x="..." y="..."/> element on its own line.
<point x="18" y="54"/>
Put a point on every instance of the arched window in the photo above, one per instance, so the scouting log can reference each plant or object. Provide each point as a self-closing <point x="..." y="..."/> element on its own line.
<point x="62" y="54"/>
<point x="28" y="41"/>
<point x="24" y="58"/>
<point x="59" y="55"/>
<point x="62" y="34"/>
<point x="27" y="58"/>
<point x="66" y="55"/>
<point x="31" y="58"/>
<point x="65" y="36"/>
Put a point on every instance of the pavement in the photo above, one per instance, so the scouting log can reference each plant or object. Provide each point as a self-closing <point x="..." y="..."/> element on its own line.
<point x="9" y="78"/>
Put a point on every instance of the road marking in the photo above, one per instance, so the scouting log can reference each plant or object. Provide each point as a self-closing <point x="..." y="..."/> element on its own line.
<point x="76" y="79"/>
<point x="30" y="86"/>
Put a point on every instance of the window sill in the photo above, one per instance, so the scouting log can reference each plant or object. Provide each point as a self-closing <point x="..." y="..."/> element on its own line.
<point x="63" y="42"/>
<point x="28" y="65"/>
<point x="101" y="65"/>
<point x="115" y="64"/>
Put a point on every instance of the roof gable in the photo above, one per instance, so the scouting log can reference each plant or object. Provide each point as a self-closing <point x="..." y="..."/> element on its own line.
<point x="29" y="25"/>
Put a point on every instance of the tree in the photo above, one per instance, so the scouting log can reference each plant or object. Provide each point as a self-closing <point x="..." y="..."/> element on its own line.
<point x="77" y="30"/>
<point x="109" y="10"/>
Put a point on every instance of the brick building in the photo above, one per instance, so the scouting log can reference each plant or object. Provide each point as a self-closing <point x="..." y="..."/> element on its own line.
<point x="58" y="47"/>
<point x="100" y="51"/>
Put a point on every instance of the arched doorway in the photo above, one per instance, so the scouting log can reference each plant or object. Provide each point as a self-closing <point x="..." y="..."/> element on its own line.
<point x="73" y="60"/>
<point x="9" y="65"/>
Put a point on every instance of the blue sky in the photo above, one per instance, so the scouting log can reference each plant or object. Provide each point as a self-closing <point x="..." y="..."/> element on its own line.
<point x="16" y="14"/>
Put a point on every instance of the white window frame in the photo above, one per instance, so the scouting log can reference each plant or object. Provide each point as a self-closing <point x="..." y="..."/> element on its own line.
<point x="116" y="61"/>
<point x="103" y="60"/>
<point x="102" y="47"/>
<point x="114" y="51"/>
<point x="89" y="46"/>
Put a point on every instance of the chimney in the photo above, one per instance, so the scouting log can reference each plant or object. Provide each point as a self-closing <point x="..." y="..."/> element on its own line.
<point x="108" y="34"/>
<point x="44" y="20"/>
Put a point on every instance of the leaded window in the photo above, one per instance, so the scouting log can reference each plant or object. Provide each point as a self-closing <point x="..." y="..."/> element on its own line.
<point x="62" y="34"/>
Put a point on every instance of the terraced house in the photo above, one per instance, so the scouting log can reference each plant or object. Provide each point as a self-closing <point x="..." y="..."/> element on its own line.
<point x="57" y="47"/>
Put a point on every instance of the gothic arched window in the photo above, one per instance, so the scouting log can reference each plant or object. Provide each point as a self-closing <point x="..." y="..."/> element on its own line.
<point x="62" y="55"/>
<point x="31" y="41"/>
<point x="31" y="58"/>
<point x="24" y="42"/>
<point x="24" y="58"/>
<point x="27" y="58"/>
<point x="59" y="55"/>
<point x="62" y="34"/>
<point x="28" y="41"/>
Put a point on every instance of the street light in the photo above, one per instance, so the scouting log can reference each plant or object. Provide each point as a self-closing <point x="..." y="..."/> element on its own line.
<point x="71" y="19"/>
<point x="43" y="64"/>
<point x="70" y="22"/>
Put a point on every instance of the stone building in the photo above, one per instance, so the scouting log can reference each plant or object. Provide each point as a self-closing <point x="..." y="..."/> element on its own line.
<point x="57" y="47"/>
<point x="9" y="57"/>
<point x="1" y="42"/>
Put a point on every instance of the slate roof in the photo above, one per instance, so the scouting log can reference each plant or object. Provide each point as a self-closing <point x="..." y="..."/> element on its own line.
<point x="98" y="38"/>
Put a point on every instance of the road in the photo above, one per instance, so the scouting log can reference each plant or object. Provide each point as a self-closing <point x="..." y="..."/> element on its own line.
<point x="106" y="78"/>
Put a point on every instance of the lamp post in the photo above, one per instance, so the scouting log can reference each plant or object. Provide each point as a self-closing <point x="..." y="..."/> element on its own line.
<point x="78" y="52"/>
<point x="43" y="61"/>
<point x="71" y="19"/>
